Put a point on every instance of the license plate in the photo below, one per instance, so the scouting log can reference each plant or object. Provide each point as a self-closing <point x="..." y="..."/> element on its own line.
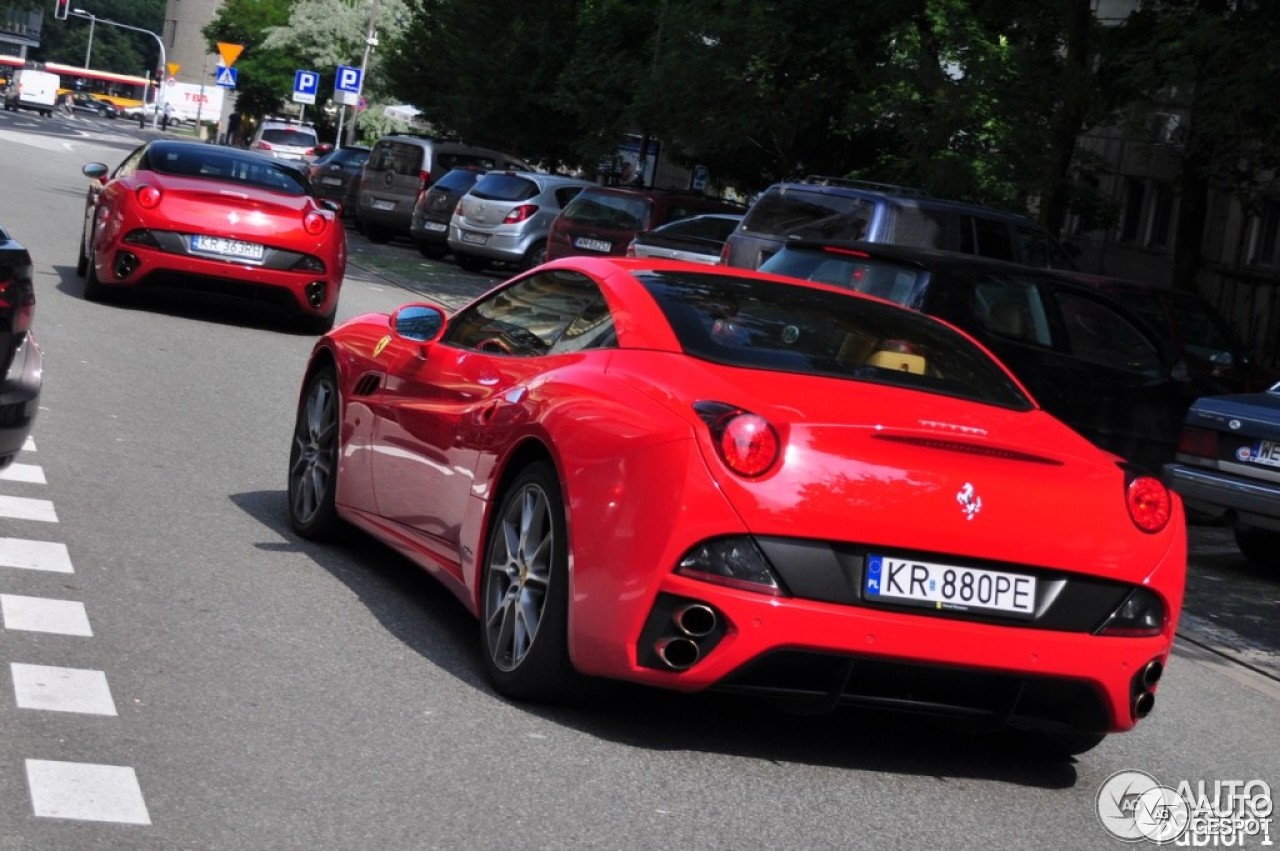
<point x="438" y="227"/>
<point x="331" y="181"/>
<point x="474" y="238"/>
<point x="1267" y="452"/>
<point x="383" y="205"/>
<point x="948" y="587"/>
<point x="593" y="244"/>
<point x="227" y="247"/>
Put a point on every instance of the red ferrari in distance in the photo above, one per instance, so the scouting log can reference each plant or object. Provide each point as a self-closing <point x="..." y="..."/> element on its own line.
<point x="206" y="218"/>
<point x="698" y="477"/>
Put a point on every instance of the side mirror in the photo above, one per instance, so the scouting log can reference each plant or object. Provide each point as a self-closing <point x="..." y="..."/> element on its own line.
<point x="331" y="205"/>
<point x="95" y="171"/>
<point x="418" y="323"/>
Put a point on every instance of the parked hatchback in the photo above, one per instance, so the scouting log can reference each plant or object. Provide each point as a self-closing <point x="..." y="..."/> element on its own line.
<point x="505" y="218"/>
<point x="401" y="168"/>
<point x="285" y="139"/>
<point x="697" y="239"/>
<point x="604" y="220"/>
<point x="1086" y="358"/>
<point x="336" y="175"/>
<point x="828" y="208"/>
<point x="429" y="226"/>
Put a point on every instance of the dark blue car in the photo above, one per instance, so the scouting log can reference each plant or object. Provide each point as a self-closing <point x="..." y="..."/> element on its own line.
<point x="1228" y="466"/>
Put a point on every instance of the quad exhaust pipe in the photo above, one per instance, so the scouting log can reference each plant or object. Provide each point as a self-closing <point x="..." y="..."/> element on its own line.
<point x="678" y="654"/>
<point x="688" y="631"/>
<point x="1145" y="682"/>
<point x="695" y="620"/>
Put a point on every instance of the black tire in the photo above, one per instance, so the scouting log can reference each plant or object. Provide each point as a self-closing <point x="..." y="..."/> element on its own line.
<point x="82" y="261"/>
<point x="376" y="234"/>
<point x="535" y="256"/>
<point x="470" y="262"/>
<point x="313" y="459"/>
<point x="93" y="288"/>
<point x="432" y="252"/>
<point x="523" y="661"/>
<point x="1261" y="546"/>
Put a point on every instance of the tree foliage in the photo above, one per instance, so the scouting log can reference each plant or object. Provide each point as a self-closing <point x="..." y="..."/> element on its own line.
<point x="114" y="48"/>
<point x="264" y="77"/>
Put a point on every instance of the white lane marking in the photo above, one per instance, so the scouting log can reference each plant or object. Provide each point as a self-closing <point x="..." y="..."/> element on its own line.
<point x="80" y="790"/>
<point x="41" y="614"/>
<point x="29" y="473"/>
<point x="21" y="508"/>
<point x="35" y="555"/>
<point x="29" y="445"/>
<point x="61" y="689"/>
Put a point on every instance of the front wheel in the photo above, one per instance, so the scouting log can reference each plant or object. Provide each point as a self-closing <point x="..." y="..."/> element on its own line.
<point x="524" y="626"/>
<point x="470" y="262"/>
<point x="536" y="255"/>
<point x="313" y="459"/>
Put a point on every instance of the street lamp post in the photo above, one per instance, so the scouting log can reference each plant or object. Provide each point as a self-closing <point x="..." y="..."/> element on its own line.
<point x="155" y="118"/>
<point x="88" y="50"/>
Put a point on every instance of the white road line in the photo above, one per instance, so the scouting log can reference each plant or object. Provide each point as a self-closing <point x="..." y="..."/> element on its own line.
<point x="40" y="614"/>
<point x="21" y="508"/>
<point x="29" y="445"/>
<point x="29" y="473"/>
<point x="78" y="790"/>
<point x="35" y="555"/>
<point x="61" y="689"/>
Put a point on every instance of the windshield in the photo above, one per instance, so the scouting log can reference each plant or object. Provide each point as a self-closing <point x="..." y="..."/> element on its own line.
<point x="214" y="163"/>
<point x="759" y="324"/>
<point x="293" y="138"/>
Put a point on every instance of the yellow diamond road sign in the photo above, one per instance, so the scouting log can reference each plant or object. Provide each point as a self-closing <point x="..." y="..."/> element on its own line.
<point x="229" y="52"/>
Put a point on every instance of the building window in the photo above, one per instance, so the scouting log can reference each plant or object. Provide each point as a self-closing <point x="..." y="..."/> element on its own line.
<point x="1134" y="194"/>
<point x="1161" y="216"/>
<point x="1264" y="235"/>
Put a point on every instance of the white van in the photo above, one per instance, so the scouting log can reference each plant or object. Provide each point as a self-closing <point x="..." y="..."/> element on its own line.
<point x="31" y="89"/>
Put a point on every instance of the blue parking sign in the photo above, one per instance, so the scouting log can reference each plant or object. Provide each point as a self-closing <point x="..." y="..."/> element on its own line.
<point x="305" y="85"/>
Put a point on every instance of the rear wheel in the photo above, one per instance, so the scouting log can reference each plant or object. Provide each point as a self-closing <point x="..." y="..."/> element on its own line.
<point x="376" y="234"/>
<point x="1259" y="545"/>
<point x="313" y="459"/>
<point x="536" y="254"/>
<point x="93" y="288"/>
<point x="431" y="252"/>
<point x="524" y="626"/>
<point x="470" y="262"/>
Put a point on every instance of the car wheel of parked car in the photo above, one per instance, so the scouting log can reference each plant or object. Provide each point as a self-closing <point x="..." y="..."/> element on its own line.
<point x="1258" y="545"/>
<point x="470" y="262"/>
<point x="524" y="626"/>
<point x="431" y="252"/>
<point x="313" y="460"/>
<point x="535" y="256"/>
<point x="376" y="234"/>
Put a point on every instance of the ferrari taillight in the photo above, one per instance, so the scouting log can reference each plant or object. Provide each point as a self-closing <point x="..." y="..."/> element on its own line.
<point x="1149" y="503"/>
<point x="148" y="197"/>
<point x="1200" y="442"/>
<point x="19" y="295"/>
<point x="314" y="223"/>
<point x="746" y="442"/>
<point x="520" y="214"/>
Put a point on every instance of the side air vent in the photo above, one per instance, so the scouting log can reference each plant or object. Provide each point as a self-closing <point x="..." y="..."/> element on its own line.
<point x="367" y="385"/>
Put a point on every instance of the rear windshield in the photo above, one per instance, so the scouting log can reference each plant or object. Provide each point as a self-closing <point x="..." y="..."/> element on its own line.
<point x="295" y="138"/>
<point x="448" y="161"/>
<point x="214" y="163"/>
<point x="758" y="324"/>
<point x="616" y="212"/>
<point x="504" y="187"/>
<point x="851" y="270"/>
<point x="814" y="215"/>
<point x="459" y="180"/>
<point x="347" y="156"/>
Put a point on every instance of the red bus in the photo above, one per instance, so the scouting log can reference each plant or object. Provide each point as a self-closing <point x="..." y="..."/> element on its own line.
<point x="125" y="90"/>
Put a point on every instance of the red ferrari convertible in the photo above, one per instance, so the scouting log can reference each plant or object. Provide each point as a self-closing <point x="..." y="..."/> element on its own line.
<point x="698" y="477"/>
<point x="206" y="218"/>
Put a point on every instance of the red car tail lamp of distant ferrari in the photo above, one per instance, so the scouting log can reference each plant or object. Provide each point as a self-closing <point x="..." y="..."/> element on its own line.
<point x="1149" y="503"/>
<point x="314" y="223"/>
<point x="746" y="442"/>
<point x="148" y="196"/>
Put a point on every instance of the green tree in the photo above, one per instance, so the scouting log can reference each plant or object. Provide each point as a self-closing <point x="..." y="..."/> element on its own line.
<point x="114" y="49"/>
<point x="264" y="77"/>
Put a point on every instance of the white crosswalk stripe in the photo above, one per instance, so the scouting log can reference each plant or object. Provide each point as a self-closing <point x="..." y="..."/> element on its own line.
<point x="80" y="791"/>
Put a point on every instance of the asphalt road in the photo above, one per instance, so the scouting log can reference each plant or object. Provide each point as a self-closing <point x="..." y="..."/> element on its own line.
<point x="256" y="691"/>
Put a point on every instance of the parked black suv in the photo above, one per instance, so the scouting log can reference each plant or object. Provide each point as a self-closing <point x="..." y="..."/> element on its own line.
<point x="1086" y="358"/>
<point x="829" y="208"/>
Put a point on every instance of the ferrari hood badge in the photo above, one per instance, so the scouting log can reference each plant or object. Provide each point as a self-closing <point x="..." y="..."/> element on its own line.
<point x="969" y="501"/>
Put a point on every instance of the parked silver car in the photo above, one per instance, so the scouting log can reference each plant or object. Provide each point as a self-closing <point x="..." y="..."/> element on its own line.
<point x="506" y="216"/>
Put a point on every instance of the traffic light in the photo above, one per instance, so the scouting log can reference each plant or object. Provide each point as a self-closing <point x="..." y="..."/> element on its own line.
<point x="61" y="8"/>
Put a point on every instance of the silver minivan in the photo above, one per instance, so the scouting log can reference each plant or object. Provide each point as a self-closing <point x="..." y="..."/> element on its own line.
<point x="505" y="218"/>
<point x="401" y="167"/>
